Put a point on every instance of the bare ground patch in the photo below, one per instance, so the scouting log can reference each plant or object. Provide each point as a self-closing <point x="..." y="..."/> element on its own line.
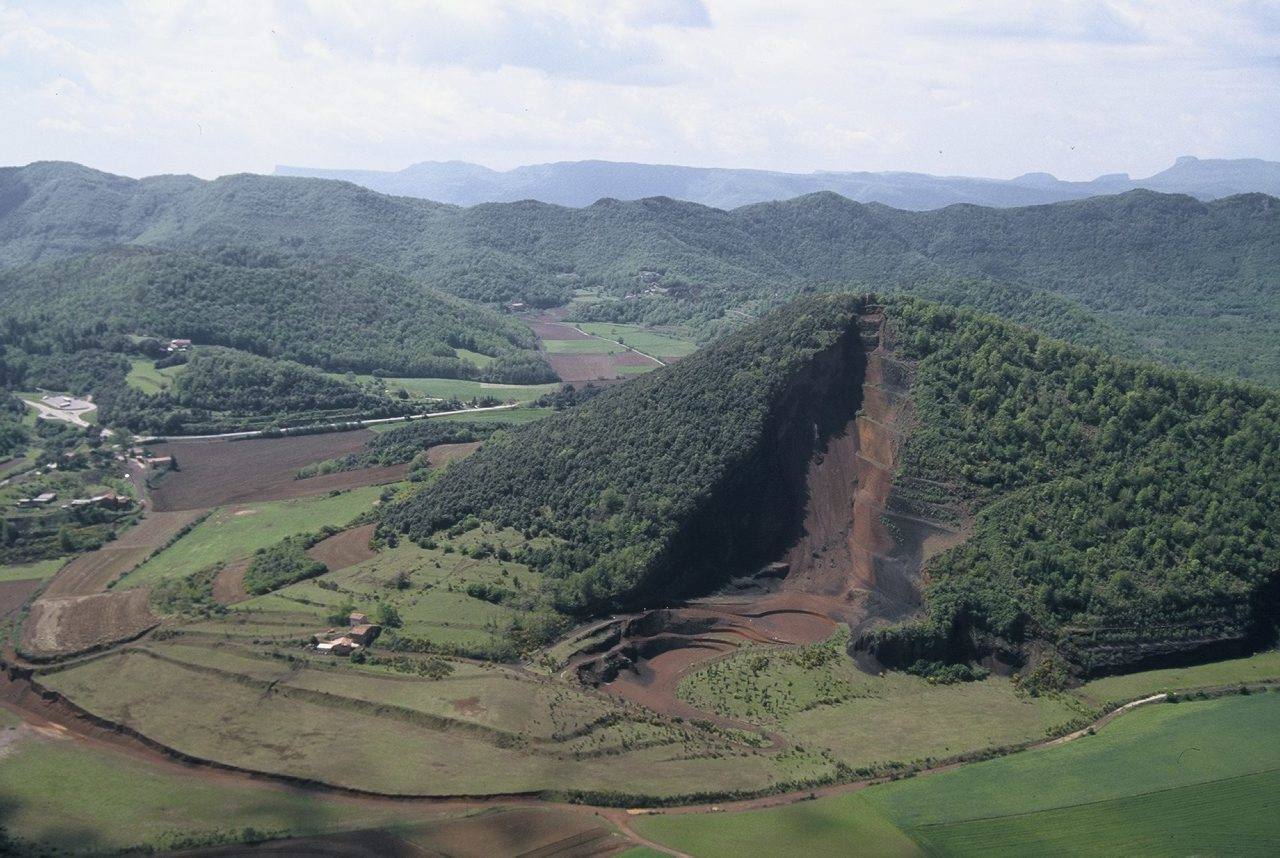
<point x="339" y="551"/>
<point x="78" y="623"/>
<point x="220" y="472"/>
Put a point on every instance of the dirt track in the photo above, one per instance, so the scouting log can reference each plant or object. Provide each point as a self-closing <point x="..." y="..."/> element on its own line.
<point x="217" y="473"/>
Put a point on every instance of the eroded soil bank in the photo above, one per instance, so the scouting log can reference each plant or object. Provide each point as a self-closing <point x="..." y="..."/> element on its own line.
<point x="834" y="545"/>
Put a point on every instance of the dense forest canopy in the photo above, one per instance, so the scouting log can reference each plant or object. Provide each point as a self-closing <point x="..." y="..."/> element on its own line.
<point x="1106" y="494"/>
<point x="339" y="315"/>
<point x="1190" y="283"/>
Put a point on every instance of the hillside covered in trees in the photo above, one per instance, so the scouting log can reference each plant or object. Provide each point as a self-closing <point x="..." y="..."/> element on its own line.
<point x="1120" y="511"/>
<point x="1164" y="276"/>
<point x="339" y="315"/>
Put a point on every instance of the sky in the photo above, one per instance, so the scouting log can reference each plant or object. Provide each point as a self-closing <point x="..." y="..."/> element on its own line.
<point x="977" y="88"/>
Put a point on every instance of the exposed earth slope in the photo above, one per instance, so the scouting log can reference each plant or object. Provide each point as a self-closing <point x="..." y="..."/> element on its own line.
<point x="1062" y="506"/>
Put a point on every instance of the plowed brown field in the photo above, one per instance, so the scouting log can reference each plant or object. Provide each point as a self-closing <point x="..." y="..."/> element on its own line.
<point x="343" y="549"/>
<point x="218" y="472"/>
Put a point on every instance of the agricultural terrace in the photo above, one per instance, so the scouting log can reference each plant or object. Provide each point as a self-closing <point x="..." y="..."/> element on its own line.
<point x="1197" y="777"/>
<point x="234" y="532"/>
<point x="817" y="695"/>
<point x="664" y="346"/>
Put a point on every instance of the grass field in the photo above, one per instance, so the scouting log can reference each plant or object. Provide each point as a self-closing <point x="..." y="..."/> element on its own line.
<point x="26" y="571"/>
<point x="1130" y="686"/>
<point x="450" y="388"/>
<point x="75" y="797"/>
<point x="1191" y="778"/>
<point x="867" y="720"/>
<point x="352" y="742"/>
<point x="145" y="377"/>
<point x="641" y="339"/>
<point x="474" y="358"/>
<point x="237" y="531"/>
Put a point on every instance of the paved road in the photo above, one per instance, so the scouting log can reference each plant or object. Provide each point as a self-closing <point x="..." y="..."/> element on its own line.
<point x="331" y="427"/>
<point x="48" y="412"/>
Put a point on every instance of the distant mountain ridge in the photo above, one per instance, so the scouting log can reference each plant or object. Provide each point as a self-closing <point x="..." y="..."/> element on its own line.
<point x="581" y="183"/>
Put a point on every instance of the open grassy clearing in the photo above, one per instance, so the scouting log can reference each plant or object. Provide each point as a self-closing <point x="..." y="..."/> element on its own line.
<point x="25" y="571"/>
<point x="1191" y="778"/>
<point x="458" y="388"/>
<point x="817" y="695"/>
<point x="1130" y="686"/>
<point x="641" y="339"/>
<point x="145" y="377"/>
<point x="506" y="416"/>
<point x="235" y="532"/>
<point x="474" y="358"/>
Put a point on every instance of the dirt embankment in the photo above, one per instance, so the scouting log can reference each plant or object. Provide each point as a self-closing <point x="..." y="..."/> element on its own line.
<point x="818" y="534"/>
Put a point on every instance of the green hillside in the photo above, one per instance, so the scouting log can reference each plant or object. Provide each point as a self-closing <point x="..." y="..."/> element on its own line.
<point x="1121" y="511"/>
<point x="335" y="314"/>
<point x="1146" y="274"/>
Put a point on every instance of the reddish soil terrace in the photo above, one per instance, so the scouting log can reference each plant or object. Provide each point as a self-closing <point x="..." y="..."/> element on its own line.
<point x="228" y="584"/>
<point x="75" y="624"/>
<point x="574" y="368"/>
<point x="443" y="454"/>
<point x="14" y="594"/>
<point x="218" y="472"/>
<point x="546" y="330"/>
<point x="343" y="549"/>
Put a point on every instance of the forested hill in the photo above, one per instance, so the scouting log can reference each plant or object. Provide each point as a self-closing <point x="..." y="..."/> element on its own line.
<point x="1190" y="283"/>
<point x="339" y="315"/>
<point x="1120" y="510"/>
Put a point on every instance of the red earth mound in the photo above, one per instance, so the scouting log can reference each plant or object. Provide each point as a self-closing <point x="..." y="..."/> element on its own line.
<point x="554" y="331"/>
<point x="218" y="472"/>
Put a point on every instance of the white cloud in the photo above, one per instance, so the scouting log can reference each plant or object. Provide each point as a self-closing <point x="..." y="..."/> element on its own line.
<point x="144" y="86"/>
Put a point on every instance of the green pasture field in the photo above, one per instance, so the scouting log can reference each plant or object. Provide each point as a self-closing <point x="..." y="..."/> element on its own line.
<point x="1131" y="686"/>
<point x="451" y="388"/>
<point x="474" y="358"/>
<point x="235" y="532"/>
<point x="26" y="571"/>
<point x="82" y="799"/>
<point x="368" y="747"/>
<point x="144" y="376"/>
<point x="435" y="604"/>
<point x="1189" y="778"/>
<point x="641" y="339"/>
<point x="505" y="416"/>
<point x="816" y="695"/>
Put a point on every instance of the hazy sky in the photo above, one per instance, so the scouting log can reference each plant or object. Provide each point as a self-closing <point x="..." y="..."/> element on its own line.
<point x="983" y="88"/>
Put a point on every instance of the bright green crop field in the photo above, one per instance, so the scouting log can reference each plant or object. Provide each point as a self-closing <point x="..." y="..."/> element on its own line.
<point x="1197" y="777"/>
<point x="641" y="339"/>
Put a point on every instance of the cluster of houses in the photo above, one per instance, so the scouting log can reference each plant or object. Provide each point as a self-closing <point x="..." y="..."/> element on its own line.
<point x="359" y="634"/>
<point x="178" y="346"/>
<point x="109" y="500"/>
